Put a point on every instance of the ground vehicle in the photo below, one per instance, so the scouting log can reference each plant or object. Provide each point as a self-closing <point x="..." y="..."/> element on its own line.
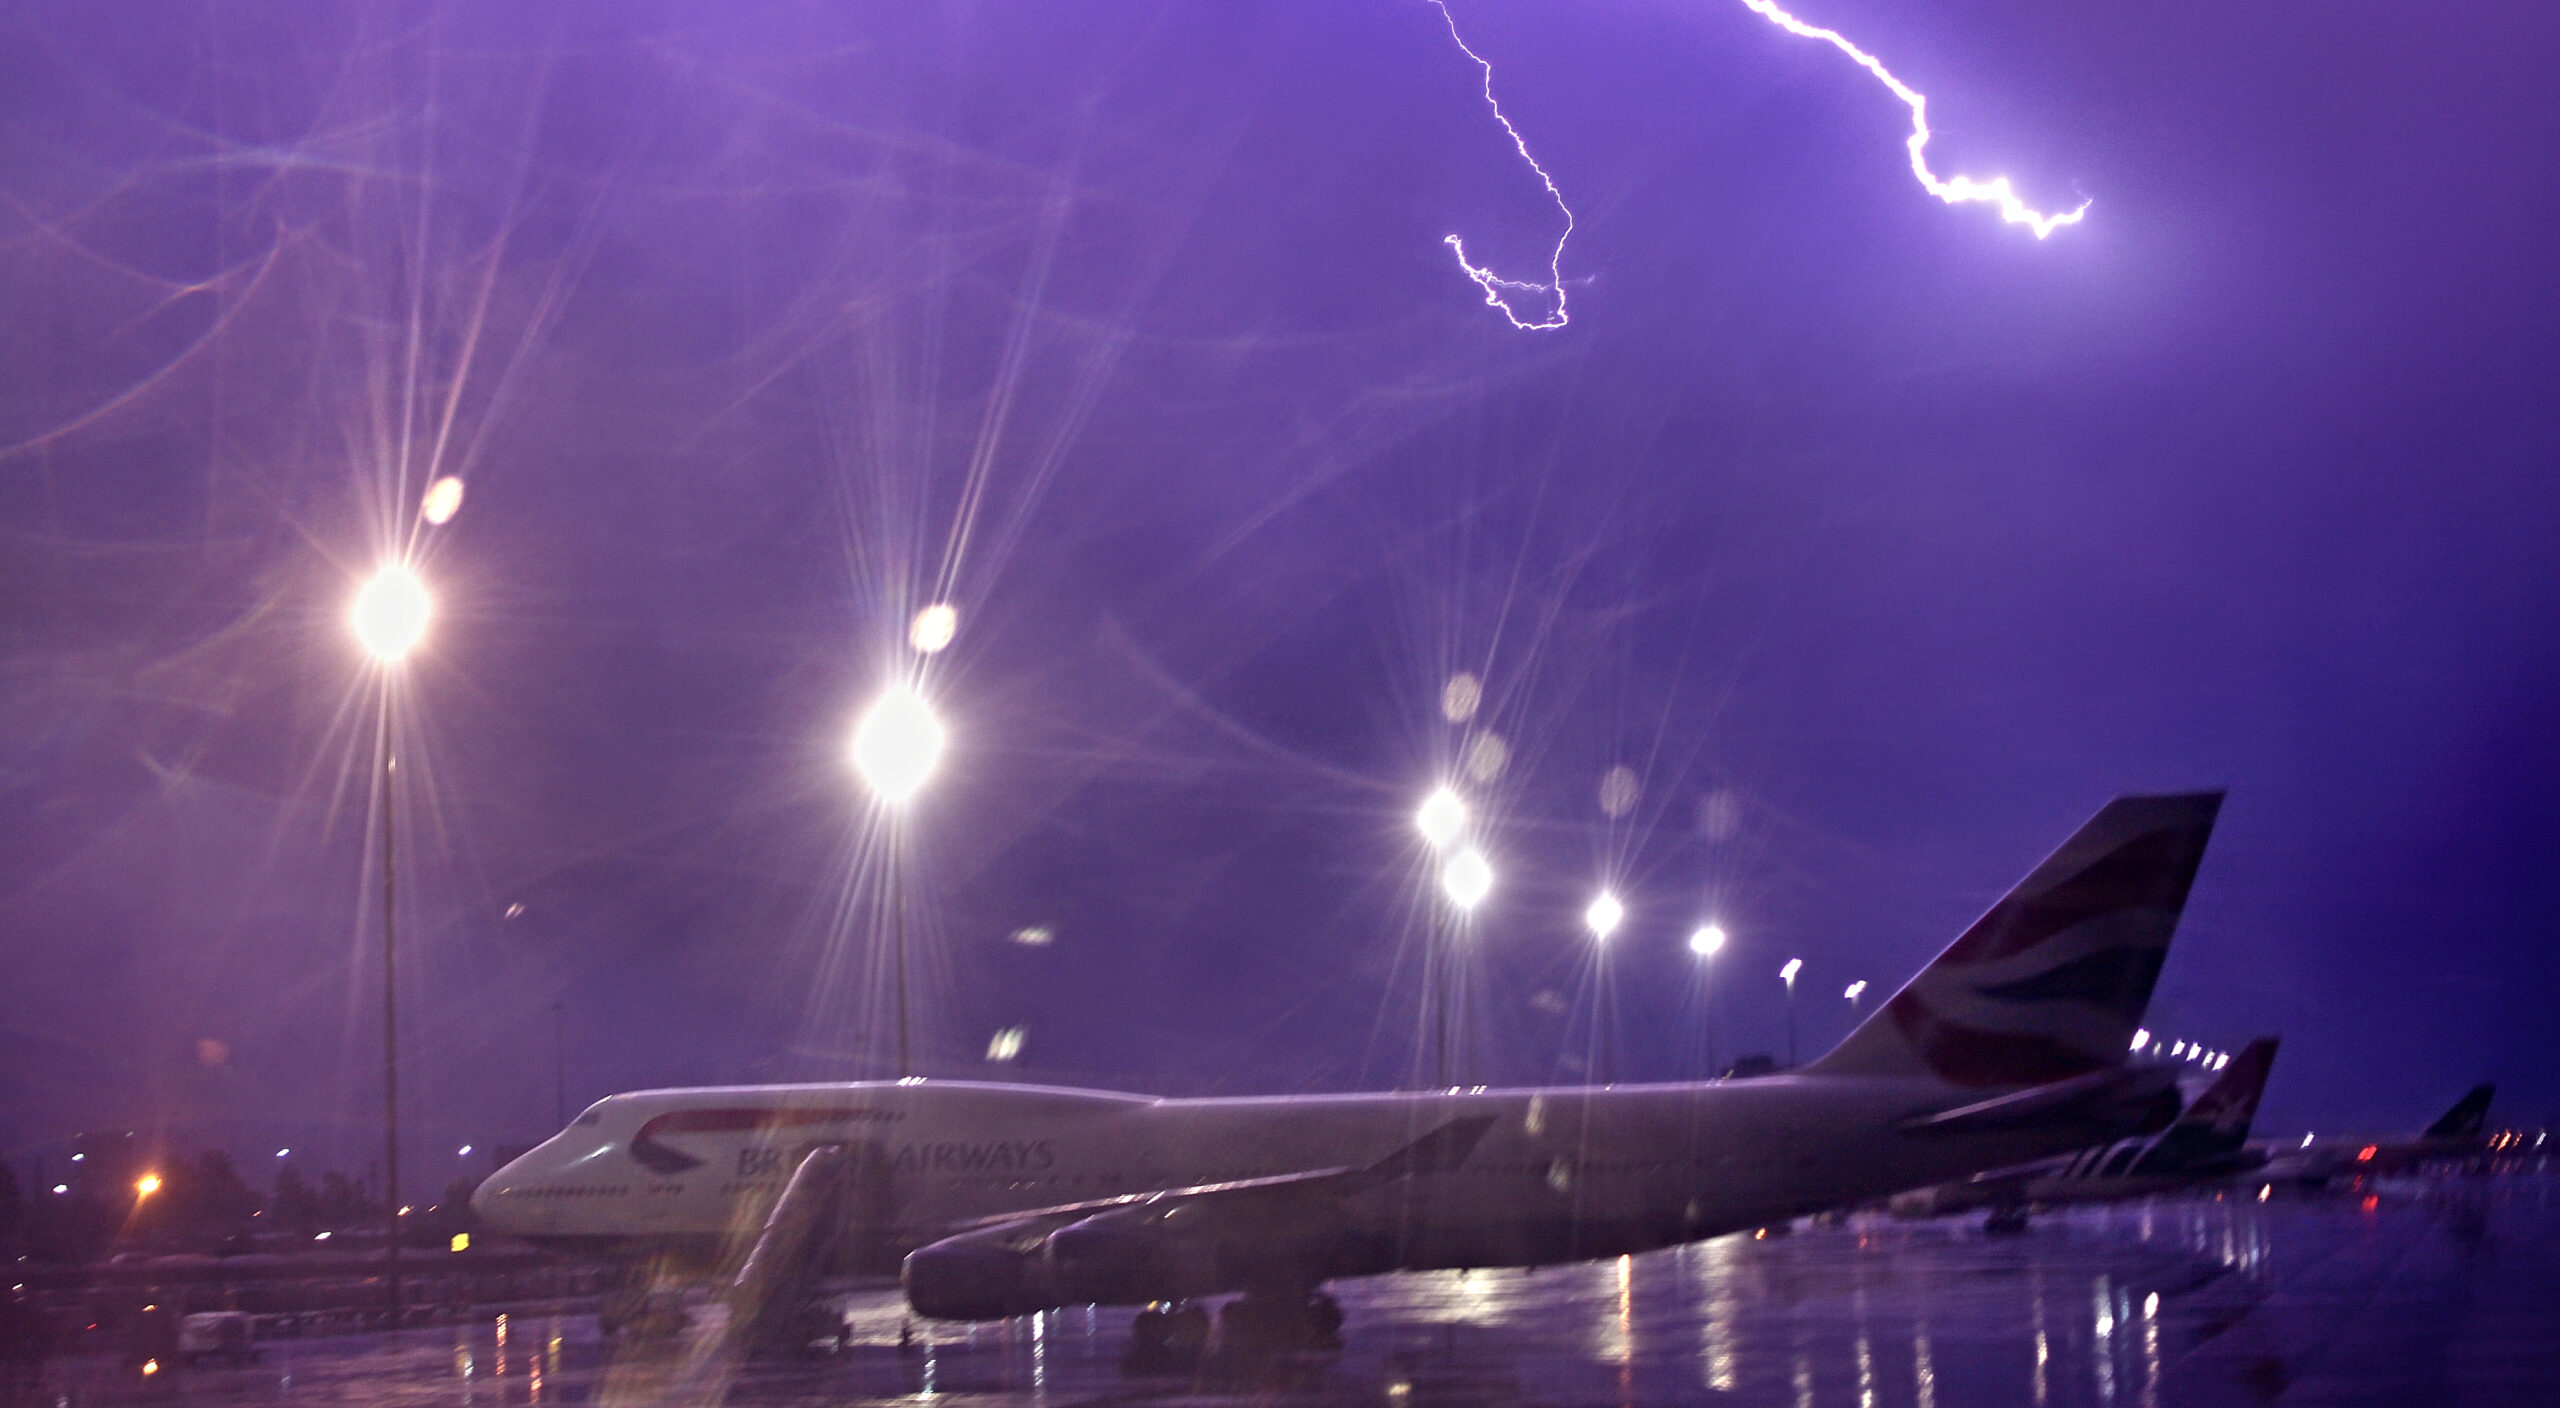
<point x="216" y="1334"/>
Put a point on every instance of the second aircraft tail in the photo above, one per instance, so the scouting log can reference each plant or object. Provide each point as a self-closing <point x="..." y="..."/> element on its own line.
<point x="2467" y="1118"/>
<point x="2215" y="1129"/>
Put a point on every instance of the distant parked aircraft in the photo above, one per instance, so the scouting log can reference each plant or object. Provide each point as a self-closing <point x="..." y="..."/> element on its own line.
<point x="2207" y="1144"/>
<point x="2458" y="1134"/>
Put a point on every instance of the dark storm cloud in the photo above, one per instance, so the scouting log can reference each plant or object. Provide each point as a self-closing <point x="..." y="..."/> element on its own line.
<point x="1910" y="536"/>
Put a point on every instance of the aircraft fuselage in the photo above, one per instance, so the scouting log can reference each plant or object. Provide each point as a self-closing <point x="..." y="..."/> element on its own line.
<point x="1558" y="1175"/>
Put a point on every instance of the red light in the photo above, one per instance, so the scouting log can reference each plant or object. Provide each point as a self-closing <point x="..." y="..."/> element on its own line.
<point x="2365" y="1154"/>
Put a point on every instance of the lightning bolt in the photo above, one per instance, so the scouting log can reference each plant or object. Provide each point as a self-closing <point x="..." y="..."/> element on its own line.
<point x="1498" y="290"/>
<point x="1959" y="189"/>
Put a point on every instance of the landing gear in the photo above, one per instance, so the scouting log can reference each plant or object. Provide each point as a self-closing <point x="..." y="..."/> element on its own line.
<point x="1167" y="1338"/>
<point x="1264" y="1323"/>
<point x="816" y="1327"/>
<point x="632" y="1309"/>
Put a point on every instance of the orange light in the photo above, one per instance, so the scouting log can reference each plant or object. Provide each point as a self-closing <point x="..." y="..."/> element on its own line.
<point x="147" y="1184"/>
<point x="150" y="1367"/>
<point x="2365" y="1154"/>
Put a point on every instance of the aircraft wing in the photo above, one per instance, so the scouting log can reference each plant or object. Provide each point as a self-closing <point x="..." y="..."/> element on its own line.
<point x="1443" y="1148"/>
<point x="1196" y="1240"/>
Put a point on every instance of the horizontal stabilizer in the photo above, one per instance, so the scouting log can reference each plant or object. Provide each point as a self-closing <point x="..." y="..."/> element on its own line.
<point x="2101" y="1097"/>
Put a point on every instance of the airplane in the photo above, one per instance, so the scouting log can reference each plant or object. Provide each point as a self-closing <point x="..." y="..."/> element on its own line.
<point x="987" y="1201"/>
<point x="2458" y="1134"/>
<point x="2207" y="1144"/>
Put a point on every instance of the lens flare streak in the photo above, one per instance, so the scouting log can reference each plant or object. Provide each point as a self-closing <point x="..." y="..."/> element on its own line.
<point x="1959" y="189"/>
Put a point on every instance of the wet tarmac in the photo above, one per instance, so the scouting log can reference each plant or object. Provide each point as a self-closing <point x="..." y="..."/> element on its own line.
<point x="2441" y="1293"/>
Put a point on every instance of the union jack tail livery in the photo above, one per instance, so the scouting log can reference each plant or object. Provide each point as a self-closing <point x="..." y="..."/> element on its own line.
<point x="2052" y="982"/>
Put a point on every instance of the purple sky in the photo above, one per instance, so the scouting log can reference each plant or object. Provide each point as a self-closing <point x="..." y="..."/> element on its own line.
<point x="1908" y="536"/>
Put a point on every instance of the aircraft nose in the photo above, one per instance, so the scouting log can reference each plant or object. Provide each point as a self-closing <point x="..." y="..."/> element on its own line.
<point x="500" y="1202"/>
<point x="489" y="1201"/>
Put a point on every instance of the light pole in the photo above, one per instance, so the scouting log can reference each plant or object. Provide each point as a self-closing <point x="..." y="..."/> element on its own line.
<point x="1466" y="879"/>
<point x="1442" y="819"/>
<point x="1603" y="917"/>
<point x="1706" y="942"/>
<point x="389" y="618"/>
<point x="1788" y="975"/>
<point x="896" y="746"/>
<point x="559" y="1073"/>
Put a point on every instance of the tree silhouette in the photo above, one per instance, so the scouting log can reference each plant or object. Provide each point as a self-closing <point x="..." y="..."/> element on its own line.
<point x="295" y="1207"/>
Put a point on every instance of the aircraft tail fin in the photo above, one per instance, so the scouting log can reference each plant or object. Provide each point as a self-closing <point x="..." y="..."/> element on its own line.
<point x="2052" y="982"/>
<point x="2467" y="1118"/>
<point x="2216" y="1127"/>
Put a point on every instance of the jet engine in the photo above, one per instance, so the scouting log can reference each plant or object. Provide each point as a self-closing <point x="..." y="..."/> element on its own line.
<point x="985" y="1275"/>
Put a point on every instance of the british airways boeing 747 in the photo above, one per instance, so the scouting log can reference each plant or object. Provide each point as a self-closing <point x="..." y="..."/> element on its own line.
<point x="991" y="1200"/>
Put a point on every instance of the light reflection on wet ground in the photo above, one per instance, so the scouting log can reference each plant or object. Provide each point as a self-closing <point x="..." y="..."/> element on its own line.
<point x="2444" y="1294"/>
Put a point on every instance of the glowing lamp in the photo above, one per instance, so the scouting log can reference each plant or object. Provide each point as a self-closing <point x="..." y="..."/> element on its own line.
<point x="146" y="1185"/>
<point x="1604" y="916"/>
<point x="1707" y="941"/>
<point x="1788" y="973"/>
<point x="898" y="744"/>
<point x="1467" y="878"/>
<point x="1441" y="817"/>
<point x="391" y="613"/>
